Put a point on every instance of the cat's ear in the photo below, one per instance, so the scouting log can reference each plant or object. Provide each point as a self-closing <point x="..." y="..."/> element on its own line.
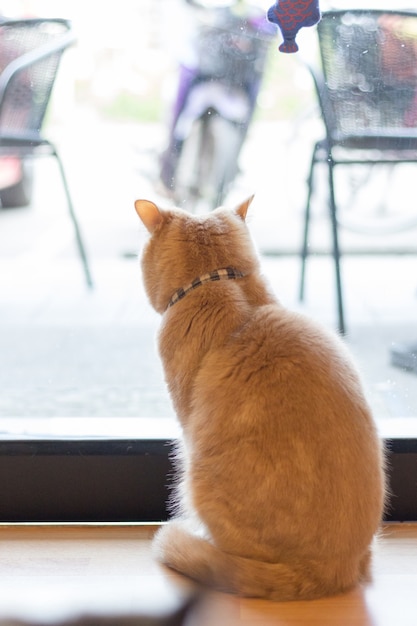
<point x="149" y="213"/>
<point x="242" y="209"/>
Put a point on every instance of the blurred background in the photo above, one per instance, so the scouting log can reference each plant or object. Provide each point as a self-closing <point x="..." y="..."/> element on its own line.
<point x="70" y="351"/>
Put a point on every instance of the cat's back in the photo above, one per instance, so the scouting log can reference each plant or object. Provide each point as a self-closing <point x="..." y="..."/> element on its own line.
<point x="281" y="404"/>
<point x="278" y="343"/>
<point x="285" y="371"/>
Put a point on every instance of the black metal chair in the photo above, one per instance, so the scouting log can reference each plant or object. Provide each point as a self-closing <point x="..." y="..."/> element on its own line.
<point x="30" y="53"/>
<point x="367" y="92"/>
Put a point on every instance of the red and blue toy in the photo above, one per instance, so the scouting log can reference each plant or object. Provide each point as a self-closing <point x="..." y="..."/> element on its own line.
<point x="290" y="16"/>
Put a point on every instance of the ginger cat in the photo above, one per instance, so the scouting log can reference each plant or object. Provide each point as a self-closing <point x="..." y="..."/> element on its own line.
<point x="281" y="485"/>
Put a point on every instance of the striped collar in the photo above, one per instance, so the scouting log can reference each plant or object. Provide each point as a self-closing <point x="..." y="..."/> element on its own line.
<point x="222" y="274"/>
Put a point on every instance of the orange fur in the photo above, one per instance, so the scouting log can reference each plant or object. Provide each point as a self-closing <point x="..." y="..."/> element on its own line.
<point x="282" y="481"/>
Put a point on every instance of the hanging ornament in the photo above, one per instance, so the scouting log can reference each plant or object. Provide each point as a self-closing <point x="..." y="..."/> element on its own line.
<point x="290" y="16"/>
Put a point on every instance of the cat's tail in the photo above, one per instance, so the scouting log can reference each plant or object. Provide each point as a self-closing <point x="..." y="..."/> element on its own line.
<point x="203" y="562"/>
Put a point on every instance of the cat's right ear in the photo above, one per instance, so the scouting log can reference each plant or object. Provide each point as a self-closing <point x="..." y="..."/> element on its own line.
<point x="149" y="213"/>
<point x="242" y="209"/>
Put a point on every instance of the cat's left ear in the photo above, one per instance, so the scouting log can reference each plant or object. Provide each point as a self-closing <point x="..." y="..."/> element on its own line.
<point x="149" y="213"/>
<point x="242" y="209"/>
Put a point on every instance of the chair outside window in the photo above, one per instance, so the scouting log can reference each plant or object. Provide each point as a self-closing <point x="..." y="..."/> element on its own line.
<point x="367" y="92"/>
<point x="30" y="53"/>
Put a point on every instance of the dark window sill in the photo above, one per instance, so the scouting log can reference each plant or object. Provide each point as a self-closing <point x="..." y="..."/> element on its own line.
<point x="119" y="470"/>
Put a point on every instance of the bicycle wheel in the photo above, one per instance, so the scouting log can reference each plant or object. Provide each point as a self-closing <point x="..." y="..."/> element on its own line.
<point x="227" y="139"/>
<point x="187" y="188"/>
<point x="208" y="162"/>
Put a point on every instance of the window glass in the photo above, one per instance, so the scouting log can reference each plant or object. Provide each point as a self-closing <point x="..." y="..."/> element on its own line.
<point x="121" y="121"/>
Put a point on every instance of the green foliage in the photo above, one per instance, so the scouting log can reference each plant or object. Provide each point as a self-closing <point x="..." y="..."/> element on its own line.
<point x="129" y="106"/>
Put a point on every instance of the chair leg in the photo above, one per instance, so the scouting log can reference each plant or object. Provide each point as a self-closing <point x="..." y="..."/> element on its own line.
<point x="80" y="243"/>
<point x="336" y="249"/>
<point x="307" y="215"/>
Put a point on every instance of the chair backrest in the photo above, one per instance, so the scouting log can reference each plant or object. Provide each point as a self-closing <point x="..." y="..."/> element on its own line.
<point x="30" y="52"/>
<point x="369" y="61"/>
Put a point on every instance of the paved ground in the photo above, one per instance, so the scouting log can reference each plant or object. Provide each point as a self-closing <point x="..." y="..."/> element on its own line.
<point x="68" y="351"/>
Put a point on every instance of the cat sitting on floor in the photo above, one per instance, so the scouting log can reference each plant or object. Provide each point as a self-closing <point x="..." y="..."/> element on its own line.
<point x="281" y="480"/>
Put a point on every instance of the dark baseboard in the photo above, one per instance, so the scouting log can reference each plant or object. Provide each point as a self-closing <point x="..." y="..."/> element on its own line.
<point x="104" y="479"/>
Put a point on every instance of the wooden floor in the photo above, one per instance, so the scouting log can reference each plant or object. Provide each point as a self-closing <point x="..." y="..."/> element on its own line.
<point x="58" y="572"/>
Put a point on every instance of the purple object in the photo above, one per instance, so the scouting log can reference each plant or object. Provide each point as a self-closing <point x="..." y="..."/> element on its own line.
<point x="290" y="16"/>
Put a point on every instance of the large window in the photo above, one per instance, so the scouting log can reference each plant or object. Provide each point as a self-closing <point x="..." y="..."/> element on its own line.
<point x="84" y="411"/>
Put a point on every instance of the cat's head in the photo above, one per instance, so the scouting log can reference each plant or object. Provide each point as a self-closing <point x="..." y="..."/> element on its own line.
<point x="183" y="247"/>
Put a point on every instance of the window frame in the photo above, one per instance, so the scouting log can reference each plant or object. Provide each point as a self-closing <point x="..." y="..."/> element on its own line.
<point x="87" y="478"/>
<point x="108" y="479"/>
